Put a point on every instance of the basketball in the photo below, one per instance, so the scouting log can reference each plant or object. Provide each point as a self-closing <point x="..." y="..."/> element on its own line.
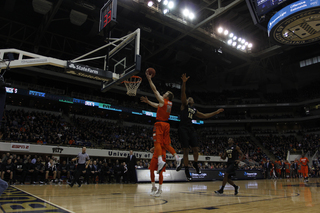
<point x="152" y="72"/>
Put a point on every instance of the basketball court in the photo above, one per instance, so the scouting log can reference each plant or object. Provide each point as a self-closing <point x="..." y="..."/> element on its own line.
<point x="255" y="196"/>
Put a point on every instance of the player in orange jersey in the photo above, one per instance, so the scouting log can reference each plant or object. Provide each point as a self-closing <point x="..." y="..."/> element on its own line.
<point x="288" y="165"/>
<point x="154" y="167"/>
<point x="161" y="130"/>
<point x="304" y="167"/>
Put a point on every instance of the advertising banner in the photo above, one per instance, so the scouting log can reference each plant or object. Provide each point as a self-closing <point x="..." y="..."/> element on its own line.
<point x="171" y="175"/>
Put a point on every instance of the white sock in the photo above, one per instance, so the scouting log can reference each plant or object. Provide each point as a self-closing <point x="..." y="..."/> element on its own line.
<point x="153" y="184"/>
<point x="160" y="187"/>
<point x="160" y="159"/>
<point x="177" y="157"/>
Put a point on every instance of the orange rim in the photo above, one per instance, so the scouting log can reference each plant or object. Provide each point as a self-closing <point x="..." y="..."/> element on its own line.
<point x="131" y="82"/>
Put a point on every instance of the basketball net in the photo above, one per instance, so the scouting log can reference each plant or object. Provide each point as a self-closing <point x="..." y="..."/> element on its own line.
<point x="132" y="85"/>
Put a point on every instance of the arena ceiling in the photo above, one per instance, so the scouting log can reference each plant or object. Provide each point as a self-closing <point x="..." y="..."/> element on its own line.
<point x="167" y="44"/>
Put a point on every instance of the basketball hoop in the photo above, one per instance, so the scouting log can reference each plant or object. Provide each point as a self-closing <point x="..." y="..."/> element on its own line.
<point x="132" y="85"/>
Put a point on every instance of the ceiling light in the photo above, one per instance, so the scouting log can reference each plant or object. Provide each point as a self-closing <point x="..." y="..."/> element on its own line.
<point x="220" y="30"/>
<point x="191" y="16"/>
<point x="234" y="43"/>
<point x="234" y="37"/>
<point x="242" y="42"/>
<point x="165" y="2"/>
<point x="230" y="41"/>
<point x="42" y="6"/>
<point x="150" y="3"/>
<point x="250" y="45"/>
<point x="171" y="4"/>
<point x="246" y="43"/>
<point x="239" y="39"/>
<point x="238" y="47"/>
<point x="226" y="32"/>
<point x="165" y="11"/>
<point x="159" y="1"/>
<point x="231" y="35"/>
<point x="185" y="12"/>
<point x="243" y="47"/>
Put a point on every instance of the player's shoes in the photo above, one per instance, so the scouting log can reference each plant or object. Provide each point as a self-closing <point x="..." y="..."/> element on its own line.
<point x="161" y="165"/>
<point x="179" y="164"/>
<point x="236" y="190"/>
<point x="153" y="191"/>
<point x="186" y="171"/>
<point x="71" y="185"/>
<point x="196" y="167"/>
<point x="158" y="193"/>
<point x="220" y="191"/>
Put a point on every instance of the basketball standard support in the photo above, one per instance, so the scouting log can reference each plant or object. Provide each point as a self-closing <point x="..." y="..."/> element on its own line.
<point x="109" y="79"/>
<point x="27" y="59"/>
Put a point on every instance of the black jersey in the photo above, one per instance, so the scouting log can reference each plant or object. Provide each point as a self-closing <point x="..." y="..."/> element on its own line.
<point x="63" y="167"/>
<point x="232" y="154"/>
<point x="20" y="167"/>
<point x="38" y="166"/>
<point x="186" y="115"/>
<point x="71" y="167"/>
<point x="6" y="167"/>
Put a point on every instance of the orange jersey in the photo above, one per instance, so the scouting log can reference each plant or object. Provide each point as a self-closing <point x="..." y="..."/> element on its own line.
<point x="304" y="161"/>
<point x="163" y="112"/>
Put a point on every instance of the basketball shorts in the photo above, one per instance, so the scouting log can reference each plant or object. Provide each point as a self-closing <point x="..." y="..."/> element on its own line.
<point x="231" y="169"/>
<point x="161" y="133"/>
<point x="187" y="137"/>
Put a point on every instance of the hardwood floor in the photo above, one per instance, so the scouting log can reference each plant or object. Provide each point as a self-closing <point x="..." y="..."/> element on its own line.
<point x="254" y="196"/>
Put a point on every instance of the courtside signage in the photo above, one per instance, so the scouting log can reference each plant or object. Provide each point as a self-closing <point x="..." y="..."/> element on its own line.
<point x="87" y="71"/>
<point x="19" y="146"/>
<point x="296" y="24"/>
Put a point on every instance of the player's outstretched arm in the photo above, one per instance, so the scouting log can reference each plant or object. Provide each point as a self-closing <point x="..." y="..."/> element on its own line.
<point x="144" y="99"/>
<point x="152" y="149"/>
<point x="223" y="156"/>
<point x="241" y="154"/>
<point x="208" y="115"/>
<point x="183" y="90"/>
<point x="154" y="89"/>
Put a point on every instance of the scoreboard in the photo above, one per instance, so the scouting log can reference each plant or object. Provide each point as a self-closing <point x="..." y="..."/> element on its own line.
<point x="264" y="6"/>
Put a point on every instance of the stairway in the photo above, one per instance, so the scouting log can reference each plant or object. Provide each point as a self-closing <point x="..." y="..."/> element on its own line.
<point x="263" y="149"/>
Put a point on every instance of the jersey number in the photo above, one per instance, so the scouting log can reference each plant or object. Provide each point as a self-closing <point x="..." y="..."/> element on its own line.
<point x="190" y="115"/>
<point x="230" y="155"/>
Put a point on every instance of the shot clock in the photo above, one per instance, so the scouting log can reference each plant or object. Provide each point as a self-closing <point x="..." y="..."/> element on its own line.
<point x="108" y="15"/>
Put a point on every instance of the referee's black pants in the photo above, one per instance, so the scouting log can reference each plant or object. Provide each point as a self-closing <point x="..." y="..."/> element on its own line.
<point x="79" y="170"/>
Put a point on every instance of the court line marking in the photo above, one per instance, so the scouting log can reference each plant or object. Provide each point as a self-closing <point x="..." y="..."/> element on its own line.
<point x="43" y="200"/>
<point x="297" y="194"/>
<point x="165" y="202"/>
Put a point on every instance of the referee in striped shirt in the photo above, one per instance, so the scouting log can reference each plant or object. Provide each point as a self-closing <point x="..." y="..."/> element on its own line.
<point x="82" y="158"/>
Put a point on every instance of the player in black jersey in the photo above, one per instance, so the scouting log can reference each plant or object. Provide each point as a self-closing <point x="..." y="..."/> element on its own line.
<point x="232" y="152"/>
<point x="187" y="134"/>
<point x="7" y="169"/>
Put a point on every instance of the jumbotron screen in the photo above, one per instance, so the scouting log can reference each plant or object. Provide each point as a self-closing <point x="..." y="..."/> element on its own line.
<point x="264" y="6"/>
